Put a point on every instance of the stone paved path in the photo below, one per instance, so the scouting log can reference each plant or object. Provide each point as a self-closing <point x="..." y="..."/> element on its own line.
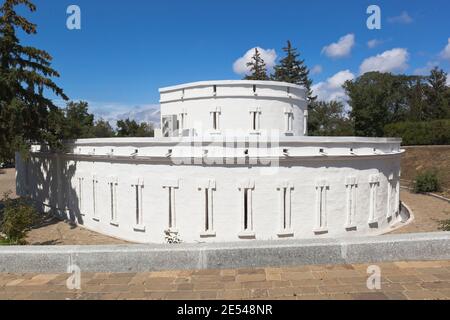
<point x="399" y="280"/>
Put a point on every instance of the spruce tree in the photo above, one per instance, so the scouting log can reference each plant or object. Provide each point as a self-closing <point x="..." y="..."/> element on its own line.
<point x="293" y="70"/>
<point x="26" y="115"/>
<point x="257" y="68"/>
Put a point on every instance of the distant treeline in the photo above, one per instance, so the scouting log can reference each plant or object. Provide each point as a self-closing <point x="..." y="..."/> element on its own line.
<point x="77" y="123"/>
<point x="380" y="104"/>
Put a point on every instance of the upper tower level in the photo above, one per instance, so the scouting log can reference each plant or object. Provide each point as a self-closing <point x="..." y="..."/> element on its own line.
<point x="233" y="106"/>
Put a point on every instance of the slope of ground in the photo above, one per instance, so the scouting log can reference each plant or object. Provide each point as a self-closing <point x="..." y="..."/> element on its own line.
<point x="422" y="158"/>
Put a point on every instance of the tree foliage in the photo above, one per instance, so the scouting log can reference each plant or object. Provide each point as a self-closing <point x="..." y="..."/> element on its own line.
<point x="293" y="70"/>
<point x="257" y="68"/>
<point x="79" y="122"/>
<point x="329" y="119"/>
<point x="434" y="132"/>
<point x="130" y="128"/>
<point x="377" y="99"/>
<point x="17" y="217"/>
<point x="102" y="129"/>
<point x="25" y="73"/>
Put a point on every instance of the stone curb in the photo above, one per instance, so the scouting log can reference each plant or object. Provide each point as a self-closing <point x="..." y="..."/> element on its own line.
<point x="428" y="194"/>
<point x="140" y="258"/>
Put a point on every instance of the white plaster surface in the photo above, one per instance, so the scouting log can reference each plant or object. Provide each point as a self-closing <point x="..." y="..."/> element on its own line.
<point x="189" y="164"/>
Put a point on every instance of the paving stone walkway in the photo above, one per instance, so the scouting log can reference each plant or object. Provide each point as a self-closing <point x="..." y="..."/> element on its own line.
<point x="399" y="280"/>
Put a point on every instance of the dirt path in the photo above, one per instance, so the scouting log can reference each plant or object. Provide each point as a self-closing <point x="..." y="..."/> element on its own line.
<point x="7" y="181"/>
<point x="428" y="212"/>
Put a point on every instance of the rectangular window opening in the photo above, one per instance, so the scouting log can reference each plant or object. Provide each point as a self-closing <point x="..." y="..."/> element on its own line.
<point x="206" y="210"/>
<point x="170" y="208"/>
<point x="94" y="198"/>
<point x="285" y="226"/>
<point x="111" y="189"/>
<point x="321" y="208"/>
<point x="351" y="205"/>
<point x="245" y="209"/>
<point x="215" y="127"/>
<point x="138" y="222"/>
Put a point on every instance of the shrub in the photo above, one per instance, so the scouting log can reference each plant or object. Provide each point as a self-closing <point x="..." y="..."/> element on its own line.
<point x="427" y="181"/>
<point x="420" y="133"/>
<point x="17" y="217"/>
<point x="444" y="225"/>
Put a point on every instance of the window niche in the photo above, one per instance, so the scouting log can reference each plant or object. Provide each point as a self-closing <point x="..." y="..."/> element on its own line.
<point x="137" y="188"/>
<point x="351" y="186"/>
<point x="289" y="121"/>
<point x="95" y="216"/>
<point x="322" y="188"/>
<point x="80" y="194"/>
<point x="207" y="188"/>
<point x="171" y="186"/>
<point x="374" y="183"/>
<point x="215" y="119"/>
<point x="112" y="189"/>
<point x="255" y="120"/>
<point x="246" y="189"/>
<point x="285" y="211"/>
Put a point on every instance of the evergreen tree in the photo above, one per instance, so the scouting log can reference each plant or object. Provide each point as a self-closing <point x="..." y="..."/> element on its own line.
<point x="438" y="99"/>
<point x="257" y="68"/>
<point x="26" y="115"/>
<point x="293" y="70"/>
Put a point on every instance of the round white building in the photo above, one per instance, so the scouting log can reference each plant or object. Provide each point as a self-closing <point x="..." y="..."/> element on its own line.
<point x="232" y="161"/>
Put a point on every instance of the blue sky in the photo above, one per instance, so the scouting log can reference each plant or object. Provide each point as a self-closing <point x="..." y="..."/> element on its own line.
<point x="126" y="50"/>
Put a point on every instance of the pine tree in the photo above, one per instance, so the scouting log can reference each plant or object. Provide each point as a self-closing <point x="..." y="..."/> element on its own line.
<point x="257" y="68"/>
<point x="293" y="70"/>
<point x="26" y="115"/>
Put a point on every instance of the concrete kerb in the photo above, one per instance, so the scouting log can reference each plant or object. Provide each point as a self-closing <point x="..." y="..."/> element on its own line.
<point x="139" y="258"/>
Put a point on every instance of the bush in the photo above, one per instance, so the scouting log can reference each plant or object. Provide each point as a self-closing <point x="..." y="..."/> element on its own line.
<point x="17" y="217"/>
<point x="444" y="225"/>
<point x="427" y="181"/>
<point x="420" y="133"/>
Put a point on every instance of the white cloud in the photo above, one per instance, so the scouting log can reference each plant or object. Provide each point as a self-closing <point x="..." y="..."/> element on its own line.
<point x="448" y="80"/>
<point x="268" y="55"/>
<point x="331" y="89"/>
<point x="316" y="69"/>
<point x="374" y="43"/>
<point x="426" y="69"/>
<point x="340" y="49"/>
<point x="445" y="54"/>
<point x="403" y="18"/>
<point x="389" y="61"/>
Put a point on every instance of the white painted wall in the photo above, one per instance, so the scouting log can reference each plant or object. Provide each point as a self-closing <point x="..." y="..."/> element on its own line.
<point x="57" y="188"/>
<point x="235" y="100"/>
<point x="226" y="161"/>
